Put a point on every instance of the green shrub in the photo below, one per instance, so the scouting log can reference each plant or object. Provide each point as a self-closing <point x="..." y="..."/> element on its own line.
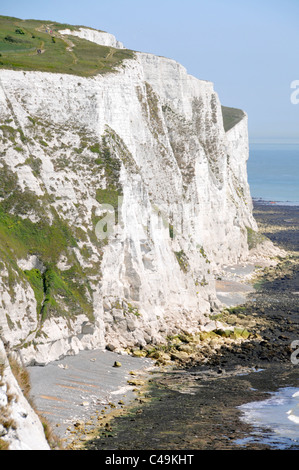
<point x="171" y="232"/>
<point x="182" y="260"/>
<point x="9" y="39"/>
<point x="35" y="279"/>
<point x="254" y="238"/>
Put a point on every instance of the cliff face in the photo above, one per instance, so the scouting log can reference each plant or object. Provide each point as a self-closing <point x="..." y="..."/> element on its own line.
<point x="121" y="195"/>
<point x="20" y="427"/>
<point x="99" y="37"/>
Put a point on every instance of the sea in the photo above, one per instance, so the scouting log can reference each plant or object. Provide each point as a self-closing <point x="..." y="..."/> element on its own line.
<point x="278" y="416"/>
<point x="273" y="172"/>
<point x="273" y="176"/>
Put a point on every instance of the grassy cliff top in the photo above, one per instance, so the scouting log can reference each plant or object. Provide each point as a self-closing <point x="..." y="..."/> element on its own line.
<point x="231" y="117"/>
<point x="38" y="45"/>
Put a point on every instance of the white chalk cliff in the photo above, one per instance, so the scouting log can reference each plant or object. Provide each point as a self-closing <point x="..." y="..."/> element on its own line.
<point x="26" y="432"/>
<point x="99" y="37"/>
<point x="184" y="202"/>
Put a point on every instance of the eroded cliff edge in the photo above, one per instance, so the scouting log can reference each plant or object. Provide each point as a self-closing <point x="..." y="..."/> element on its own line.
<point x="121" y="196"/>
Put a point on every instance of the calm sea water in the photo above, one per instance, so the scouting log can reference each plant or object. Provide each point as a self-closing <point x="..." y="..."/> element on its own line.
<point x="279" y="415"/>
<point x="273" y="175"/>
<point x="273" y="172"/>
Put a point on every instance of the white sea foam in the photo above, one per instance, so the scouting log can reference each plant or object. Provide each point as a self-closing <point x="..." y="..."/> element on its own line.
<point x="293" y="414"/>
<point x="278" y="416"/>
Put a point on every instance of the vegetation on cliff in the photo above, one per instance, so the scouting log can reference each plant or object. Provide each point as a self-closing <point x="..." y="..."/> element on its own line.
<point x="231" y="117"/>
<point x="38" y="45"/>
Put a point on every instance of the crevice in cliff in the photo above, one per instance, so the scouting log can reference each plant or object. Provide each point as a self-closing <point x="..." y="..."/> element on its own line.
<point x="206" y="127"/>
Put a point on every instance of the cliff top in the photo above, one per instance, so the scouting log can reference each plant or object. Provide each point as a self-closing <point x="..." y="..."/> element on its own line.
<point x="40" y="46"/>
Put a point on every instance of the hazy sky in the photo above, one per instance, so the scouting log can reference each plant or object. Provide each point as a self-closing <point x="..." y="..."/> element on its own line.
<point x="247" y="48"/>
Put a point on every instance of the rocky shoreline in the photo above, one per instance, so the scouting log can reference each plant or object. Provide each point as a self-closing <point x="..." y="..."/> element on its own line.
<point x="200" y="396"/>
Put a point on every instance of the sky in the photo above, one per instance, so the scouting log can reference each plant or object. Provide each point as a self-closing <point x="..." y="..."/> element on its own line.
<point x="247" y="48"/>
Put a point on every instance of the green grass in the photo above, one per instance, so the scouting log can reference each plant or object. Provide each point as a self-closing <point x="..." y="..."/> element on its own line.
<point x="108" y="196"/>
<point x="56" y="292"/>
<point x="52" y="286"/>
<point x="236" y="310"/>
<point x="231" y="117"/>
<point x="22" y="237"/>
<point x="111" y="197"/>
<point x="19" y="51"/>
